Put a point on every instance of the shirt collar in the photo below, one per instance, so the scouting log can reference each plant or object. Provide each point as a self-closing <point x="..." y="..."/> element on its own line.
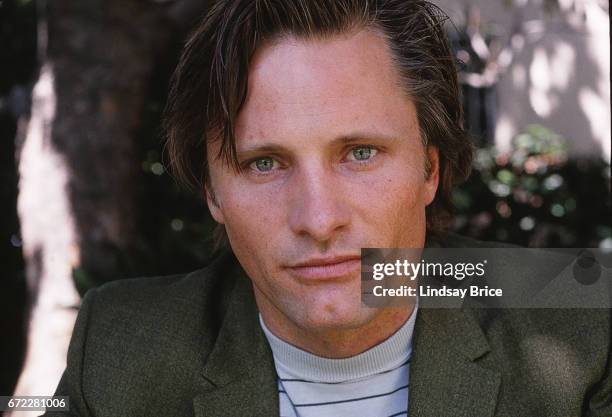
<point x="387" y="355"/>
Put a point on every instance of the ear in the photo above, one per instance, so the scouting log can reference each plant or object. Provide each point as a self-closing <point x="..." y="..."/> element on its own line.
<point x="213" y="205"/>
<point x="433" y="178"/>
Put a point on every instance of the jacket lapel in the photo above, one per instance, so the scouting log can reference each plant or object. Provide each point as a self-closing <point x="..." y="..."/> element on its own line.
<point x="239" y="377"/>
<point x="445" y="378"/>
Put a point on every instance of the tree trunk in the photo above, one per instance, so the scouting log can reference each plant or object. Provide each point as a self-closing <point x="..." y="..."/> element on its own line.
<point x="78" y="164"/>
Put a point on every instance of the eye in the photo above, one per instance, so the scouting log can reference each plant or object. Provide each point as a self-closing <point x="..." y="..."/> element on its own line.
<point x="361" y="153"/>
<point x="262" y="165"/>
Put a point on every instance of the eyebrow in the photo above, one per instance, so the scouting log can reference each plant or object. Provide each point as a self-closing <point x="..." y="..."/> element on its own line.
<point x="341" y="140"/>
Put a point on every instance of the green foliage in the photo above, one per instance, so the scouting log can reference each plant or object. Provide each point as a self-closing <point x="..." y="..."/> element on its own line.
<point x="535" y="196"/>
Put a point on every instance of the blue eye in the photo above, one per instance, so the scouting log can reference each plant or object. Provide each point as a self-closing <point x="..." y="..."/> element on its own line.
<point x="263" y="164"/>
<point x="362" y="153"/>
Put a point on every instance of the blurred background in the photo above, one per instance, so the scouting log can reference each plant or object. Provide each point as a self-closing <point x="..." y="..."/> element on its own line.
<point x="84" y="193"/>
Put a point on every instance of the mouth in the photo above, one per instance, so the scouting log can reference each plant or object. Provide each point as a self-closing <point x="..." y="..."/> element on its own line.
<point x="326" y="268"/>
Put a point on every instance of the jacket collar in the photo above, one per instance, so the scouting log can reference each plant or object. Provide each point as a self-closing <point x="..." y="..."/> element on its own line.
<point x="445" y="376"/>
<point x="239" y="377"/>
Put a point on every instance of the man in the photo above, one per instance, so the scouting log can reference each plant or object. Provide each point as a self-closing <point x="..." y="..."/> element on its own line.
<point x="317" y="128"/>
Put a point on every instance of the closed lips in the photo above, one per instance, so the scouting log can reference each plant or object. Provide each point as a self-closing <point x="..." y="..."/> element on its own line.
<point x="325" y="268"/>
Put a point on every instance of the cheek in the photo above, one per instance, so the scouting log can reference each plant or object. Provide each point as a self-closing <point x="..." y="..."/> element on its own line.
<point x="392" y="193"/>
<point x="250" y="218"/>
<point x="404" y="204"/>
<point x="392" y="208"/>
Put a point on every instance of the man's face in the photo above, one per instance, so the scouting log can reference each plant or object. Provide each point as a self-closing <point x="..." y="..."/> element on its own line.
<point x="333" y="162"/>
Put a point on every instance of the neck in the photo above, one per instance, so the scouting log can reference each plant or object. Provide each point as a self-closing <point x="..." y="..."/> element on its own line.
<point x="341" y="342"/>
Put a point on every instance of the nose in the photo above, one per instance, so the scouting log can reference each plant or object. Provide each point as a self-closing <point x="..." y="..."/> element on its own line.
<point x="317" y="208"/>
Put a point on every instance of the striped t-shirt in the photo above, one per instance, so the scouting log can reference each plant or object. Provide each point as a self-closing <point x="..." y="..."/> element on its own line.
<point x="371" y="384"/>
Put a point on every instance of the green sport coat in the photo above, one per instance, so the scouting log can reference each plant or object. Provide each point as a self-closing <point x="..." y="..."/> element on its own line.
<point x="191" y="345"/>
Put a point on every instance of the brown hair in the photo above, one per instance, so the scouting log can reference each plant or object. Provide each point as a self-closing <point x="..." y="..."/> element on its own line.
<point x="209" y="85"/>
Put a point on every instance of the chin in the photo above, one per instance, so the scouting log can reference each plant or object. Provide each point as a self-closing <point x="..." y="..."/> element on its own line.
<point x="333" y="307"/>
<point x="336" y="317"/>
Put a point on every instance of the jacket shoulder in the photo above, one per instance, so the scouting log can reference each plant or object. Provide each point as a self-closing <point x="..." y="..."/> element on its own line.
<point x="150" y="335"/>
<point x="202" y="289"/>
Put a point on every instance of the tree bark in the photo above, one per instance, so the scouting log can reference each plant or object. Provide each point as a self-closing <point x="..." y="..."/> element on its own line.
<point x="79" y="165"/>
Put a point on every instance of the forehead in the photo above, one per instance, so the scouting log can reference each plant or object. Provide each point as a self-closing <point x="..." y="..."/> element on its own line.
<point x="311" y="88"/>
